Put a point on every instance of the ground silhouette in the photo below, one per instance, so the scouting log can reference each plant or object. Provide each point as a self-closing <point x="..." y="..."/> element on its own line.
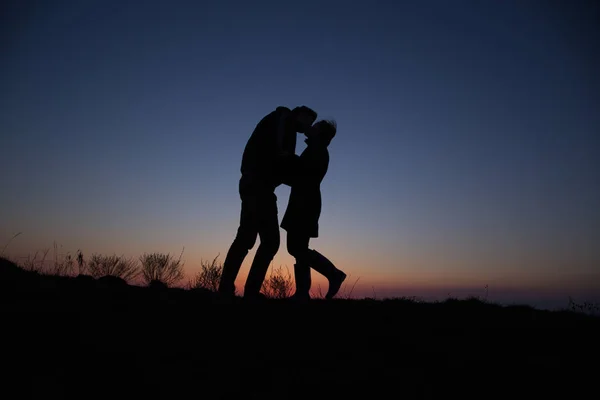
<point x="96" y="338"/>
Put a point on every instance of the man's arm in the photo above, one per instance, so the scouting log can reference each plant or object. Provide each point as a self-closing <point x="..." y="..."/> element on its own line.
<point x="291" y="170"/>
<point x="284" y="113"/>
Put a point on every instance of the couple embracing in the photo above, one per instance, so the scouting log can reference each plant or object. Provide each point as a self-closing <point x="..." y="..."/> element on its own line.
<point x="270" y="160"/>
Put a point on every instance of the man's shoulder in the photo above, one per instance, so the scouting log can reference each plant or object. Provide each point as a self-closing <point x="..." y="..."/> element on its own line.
<point x="283" y="109"/>
<point x="273" y="116"/>
<point x="276" y="114"/>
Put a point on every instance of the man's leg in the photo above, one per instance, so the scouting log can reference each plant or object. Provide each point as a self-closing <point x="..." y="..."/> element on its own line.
<point x="297" y="245"/>
<point x="268" y="230"/>
<point x="243" y="242"/>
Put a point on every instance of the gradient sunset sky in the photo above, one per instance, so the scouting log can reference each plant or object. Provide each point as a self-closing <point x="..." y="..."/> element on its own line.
<point x="467" y="153"/>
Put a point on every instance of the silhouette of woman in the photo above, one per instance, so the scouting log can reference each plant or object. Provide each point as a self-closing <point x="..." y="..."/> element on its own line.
<point x="301" y="219"/>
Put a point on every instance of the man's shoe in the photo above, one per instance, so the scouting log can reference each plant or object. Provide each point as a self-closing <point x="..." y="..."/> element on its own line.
<point x="255" y="297"/>
<point x="300" y="298"/>
<point x="226" y="297"/>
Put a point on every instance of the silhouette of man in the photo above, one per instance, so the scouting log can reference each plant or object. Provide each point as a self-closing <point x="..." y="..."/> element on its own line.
<point x="265" y="165"/>
<point x="301" y="218"/>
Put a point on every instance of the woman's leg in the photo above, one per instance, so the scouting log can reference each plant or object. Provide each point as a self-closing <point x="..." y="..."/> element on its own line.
<point x="322" y="265"/>
<point x="297" y="245"/>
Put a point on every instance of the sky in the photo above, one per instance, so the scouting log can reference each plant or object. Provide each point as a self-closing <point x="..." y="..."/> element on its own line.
<point x="465" y="163"/>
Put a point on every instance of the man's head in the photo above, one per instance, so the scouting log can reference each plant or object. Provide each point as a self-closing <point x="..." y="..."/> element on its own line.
<point x="303" y="117"/>
<point x="324" y="130"/>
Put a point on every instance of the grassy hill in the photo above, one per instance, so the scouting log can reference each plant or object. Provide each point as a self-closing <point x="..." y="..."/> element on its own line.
<point x="98" y="338"/>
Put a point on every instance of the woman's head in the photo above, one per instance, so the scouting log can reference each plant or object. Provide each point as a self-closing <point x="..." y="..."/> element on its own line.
<point x="324" y="130"/>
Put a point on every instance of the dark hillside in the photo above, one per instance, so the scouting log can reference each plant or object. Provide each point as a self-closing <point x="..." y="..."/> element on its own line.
<point x="90" y="338"/>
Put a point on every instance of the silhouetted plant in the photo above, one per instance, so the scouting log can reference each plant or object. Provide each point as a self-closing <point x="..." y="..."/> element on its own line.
<point x="279" y="284"/>
<point x="208" y="277"/>
<point x="317" y="293"/>
<point x="121" y="267"/>
<point x="81" y="264"/>
<point x="161" y="267"/>
<point x="8" y="242"/>
<point x="411" y="299"/>
<point x="34" y="264"/>
<point x="157" y="285"/>
<point x="586" y="307"/>
<point x="62" y="265"/>
<point x="346" y="290"/>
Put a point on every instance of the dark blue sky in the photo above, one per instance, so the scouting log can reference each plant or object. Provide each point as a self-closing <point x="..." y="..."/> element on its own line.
<point x="466" y="155"/>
